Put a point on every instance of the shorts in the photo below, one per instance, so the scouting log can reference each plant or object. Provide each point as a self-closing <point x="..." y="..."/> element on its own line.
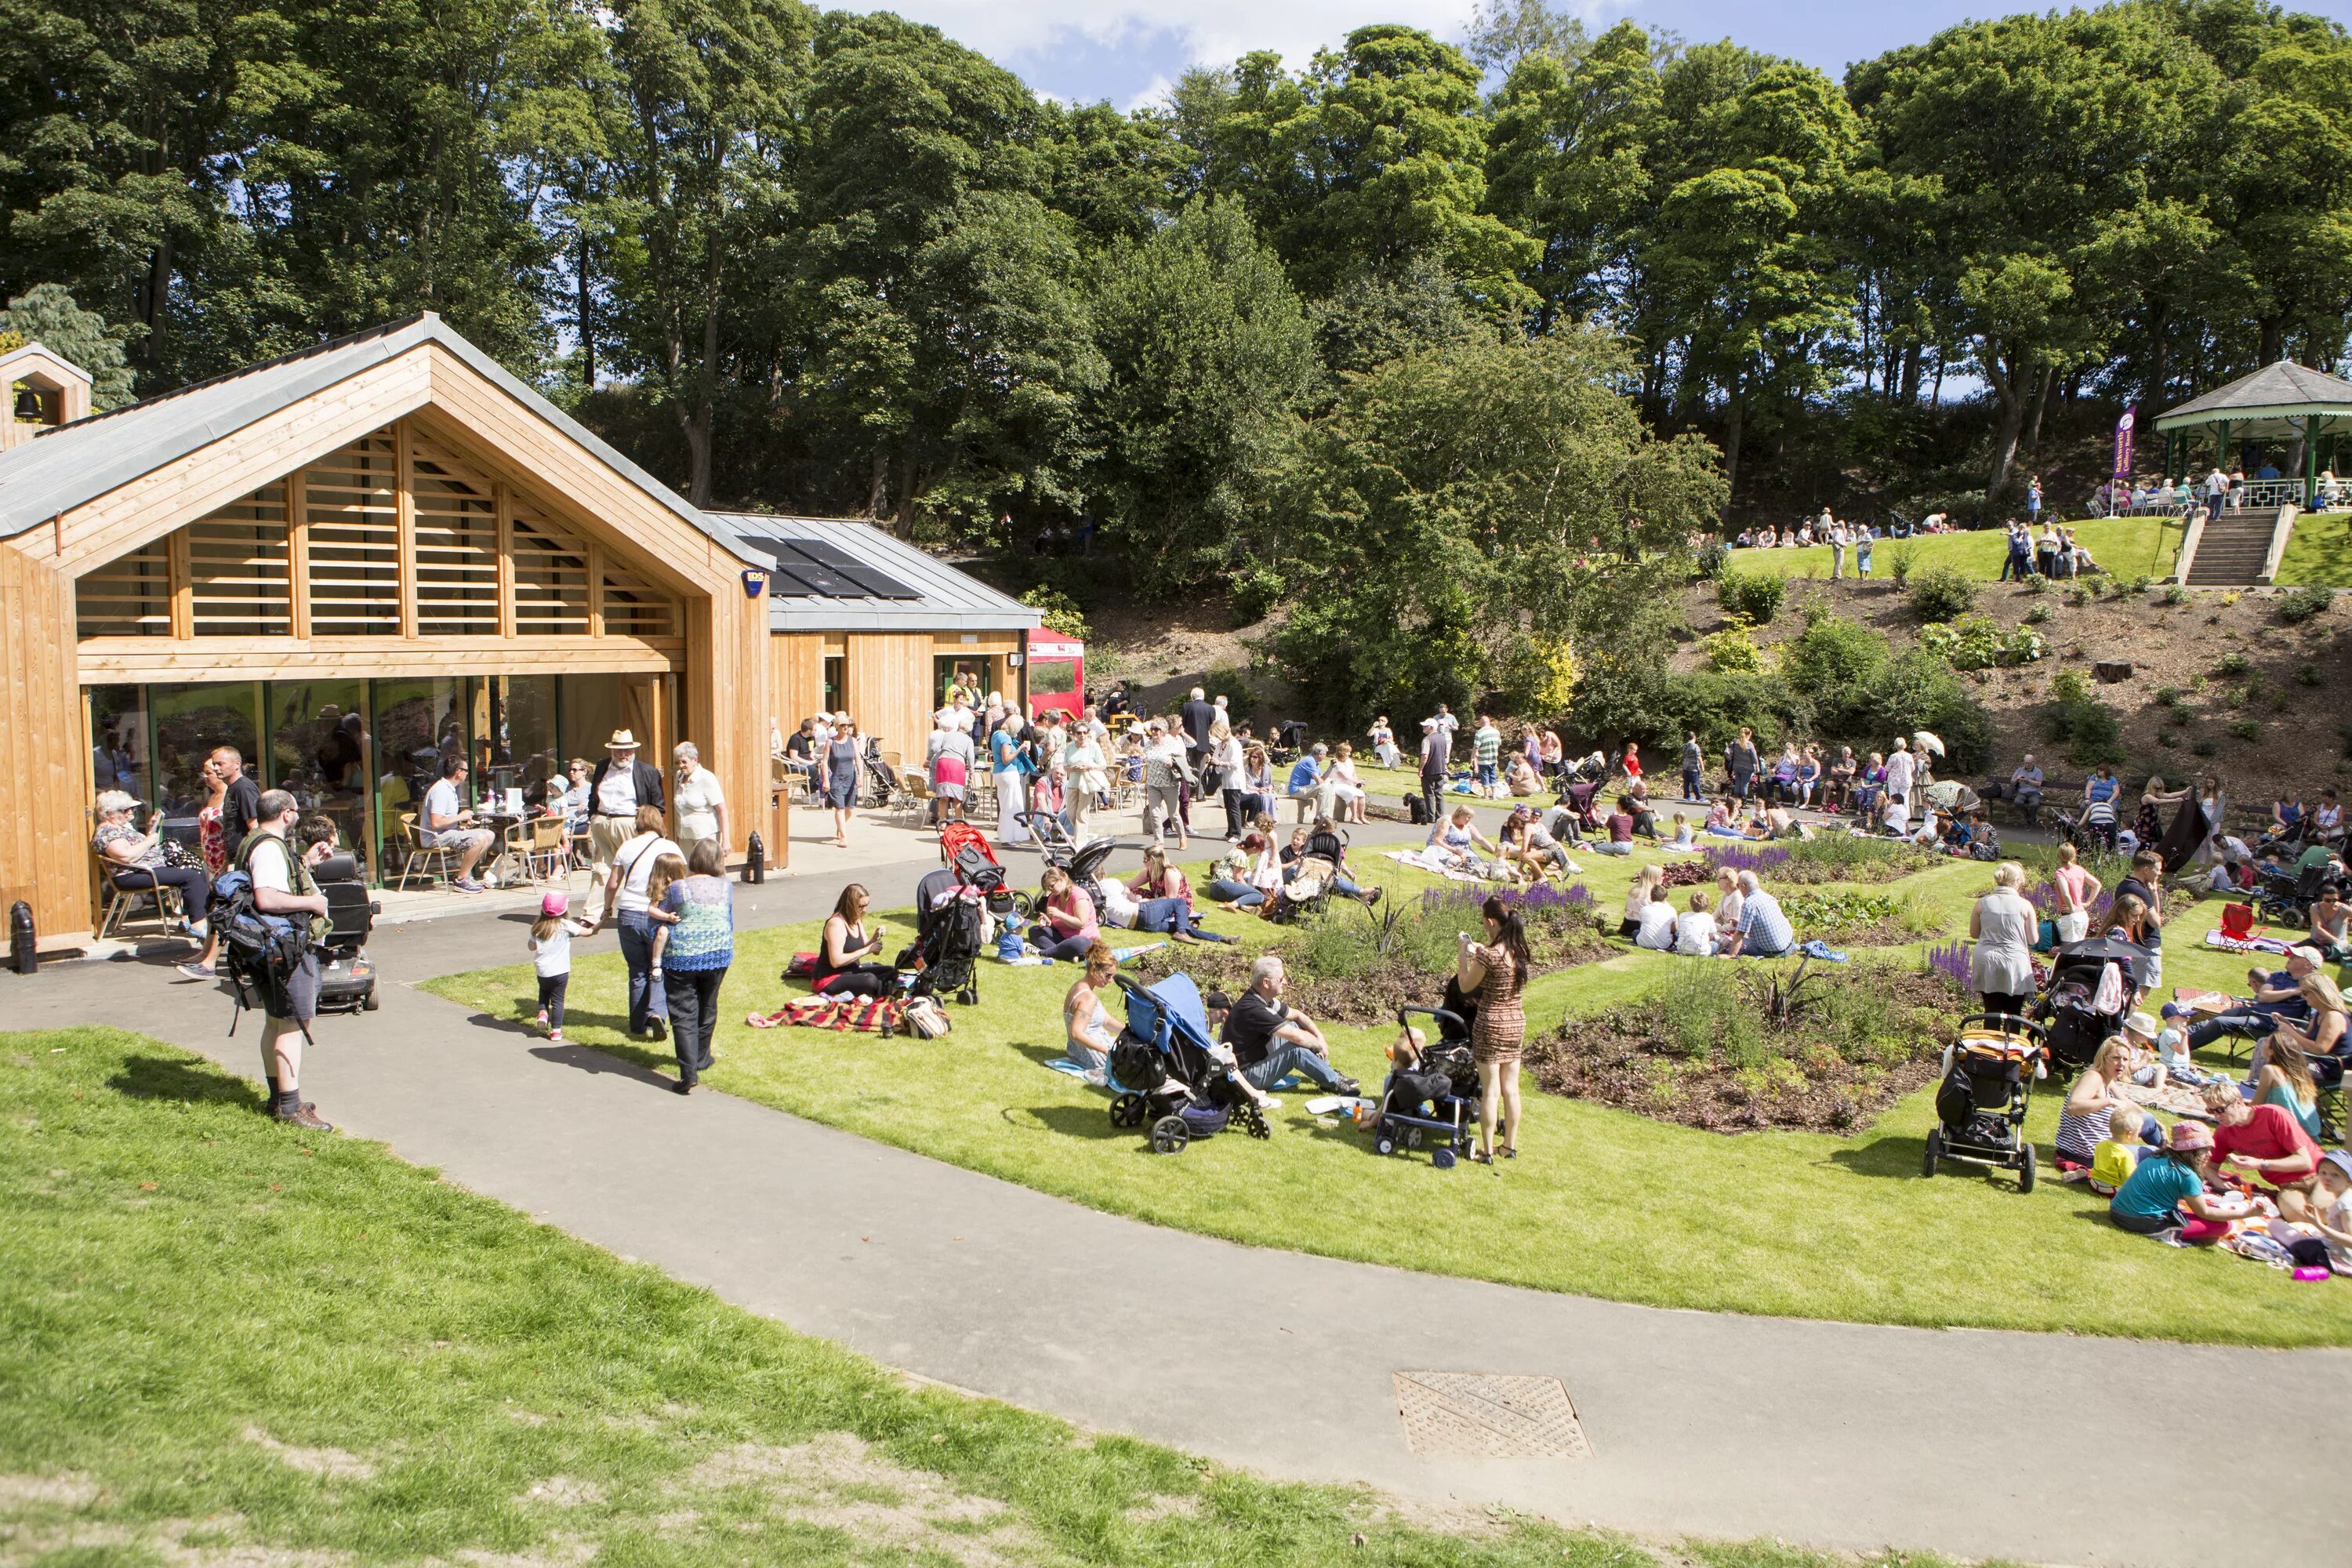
<point x="459" y="839"/>
<point x="296" y="998"/>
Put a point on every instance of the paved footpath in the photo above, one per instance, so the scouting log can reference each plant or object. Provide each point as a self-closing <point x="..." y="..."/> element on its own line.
<point x="1829" y="1434"/>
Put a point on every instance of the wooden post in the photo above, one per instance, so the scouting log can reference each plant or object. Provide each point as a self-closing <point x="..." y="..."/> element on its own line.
<point x="298" y="556"/>
<point x="502" y="499"/>
<point x="404" y="508"/>
<point x="183" y="593"/>
<point x="595" y="589"/>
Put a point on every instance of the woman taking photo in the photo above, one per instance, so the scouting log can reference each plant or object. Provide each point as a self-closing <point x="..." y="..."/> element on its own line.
<point x="2003" y="925"/>
<point x="2077" y="890"/>
<point x="1226" y="772"/>
<point x="1495" y="972"/>
<point x="841" y="780"/>
<point x="1088" y="1028"/>
<point x="847" y="953"/>
<point x="1070" y="925"/>
<point x="624" y="895"/>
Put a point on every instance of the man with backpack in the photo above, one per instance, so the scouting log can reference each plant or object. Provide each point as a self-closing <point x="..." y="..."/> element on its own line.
<point x="283" y="889"/>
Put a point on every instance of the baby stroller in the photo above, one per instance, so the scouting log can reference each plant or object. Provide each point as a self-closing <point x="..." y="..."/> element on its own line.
<point x="881" y="778"/>
<point x="1192" y="1089"/>
<point x="2285" y="897"/>
<point x="2090" y="992"/>
<point x="2092" y="830"/>
<point x="1057" y="849"/>
<point x="952" y="932"/>
<point x="1981" y="1105"/>
<point x="346" y="974"/>
<point x="1446" y="1085"/>
<point x="1289" y="739"/>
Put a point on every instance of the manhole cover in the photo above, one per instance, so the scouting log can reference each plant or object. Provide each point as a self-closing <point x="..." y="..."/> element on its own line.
<point x="1489" y="1415"/>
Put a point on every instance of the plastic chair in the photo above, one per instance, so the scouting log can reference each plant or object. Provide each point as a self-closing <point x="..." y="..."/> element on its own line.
<point x="414" y="853"/>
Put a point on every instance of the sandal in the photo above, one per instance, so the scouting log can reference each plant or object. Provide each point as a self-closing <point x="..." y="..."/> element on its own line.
<point x="1507" y="1153"/>
<point x="1480" y="1157"/>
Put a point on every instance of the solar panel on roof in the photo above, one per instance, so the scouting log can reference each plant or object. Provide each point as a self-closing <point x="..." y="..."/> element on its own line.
<point x="873" y="581"/>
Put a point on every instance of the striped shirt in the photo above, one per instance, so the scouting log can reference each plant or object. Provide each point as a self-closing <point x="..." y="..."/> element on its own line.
<point x="1488" y="743"/>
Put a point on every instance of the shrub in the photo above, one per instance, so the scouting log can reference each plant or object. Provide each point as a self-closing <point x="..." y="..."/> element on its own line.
<point x="2090" y="730"/>
<point x="2175" y="594"/>
<point x="1942" y="593"/>
<point x="2078" y="596"/>
<point x="1255" y="594"/>
<point x="2300" y="606"/>
<point x="1899" y="563"/>
<point x="1832" y="652"/>
<point x="1061" y="613"/>
<point x="1978" y="642"/>
<point x="2204" y="745"/>
<point x="2232" y="664"/>
<point x="1752" y="596"/>
<point x="2035" y="585"/>
<point x="1732" y="650"/>
<point x="2245" y="729"/>
<point x="2168" y="696"/>
<point x="2037" y="616"/>
<point x="2138" y="584"/>
<point x="1713" y="559"/>
<point x="2307" y="675"/>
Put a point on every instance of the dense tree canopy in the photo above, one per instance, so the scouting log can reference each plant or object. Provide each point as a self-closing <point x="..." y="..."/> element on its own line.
<point x="1257" y="333"/>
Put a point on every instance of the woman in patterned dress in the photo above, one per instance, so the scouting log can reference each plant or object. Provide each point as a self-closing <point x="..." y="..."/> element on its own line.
<point x="1496" y="972"/>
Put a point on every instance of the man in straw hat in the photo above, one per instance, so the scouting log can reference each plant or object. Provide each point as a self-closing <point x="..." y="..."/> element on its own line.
<point x="620" y="784"/>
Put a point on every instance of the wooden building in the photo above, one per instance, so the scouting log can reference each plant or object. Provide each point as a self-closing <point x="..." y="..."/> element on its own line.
<point x="351" y="562"/>
<point x="864" y="622"/>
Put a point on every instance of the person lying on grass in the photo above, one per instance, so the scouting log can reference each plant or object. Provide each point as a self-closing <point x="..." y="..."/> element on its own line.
<point x="1271" y="1040"/>
<point x="1163" y="899"/>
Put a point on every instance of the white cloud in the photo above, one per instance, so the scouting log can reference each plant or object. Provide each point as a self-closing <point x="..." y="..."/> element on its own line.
<point x="1209" y="31"/>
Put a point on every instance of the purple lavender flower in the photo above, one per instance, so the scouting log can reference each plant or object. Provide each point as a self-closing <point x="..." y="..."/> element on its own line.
<point x="1950" y="960"/>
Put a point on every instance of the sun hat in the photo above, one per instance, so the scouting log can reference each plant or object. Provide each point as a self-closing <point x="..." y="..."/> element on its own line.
<point x="2308" y="953"/>
<point x="555" y="903"/>
<point x="2140" y="1024"/>
<point x="2340" y="1160"/>
<point x="2189" y="1135"/>
<point x="622" y="741"/>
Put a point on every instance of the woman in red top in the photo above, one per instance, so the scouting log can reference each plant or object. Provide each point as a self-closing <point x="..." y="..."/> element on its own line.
<point x="212" y="839"/>
<point x="1070" y="926"/>
<point x="2265" y="1143"/>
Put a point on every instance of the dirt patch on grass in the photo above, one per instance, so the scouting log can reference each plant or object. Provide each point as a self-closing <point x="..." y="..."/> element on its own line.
<point x="1164" y="1505"/>
<point x="835" y="1481"/>
<point x="332" y="1463"/>
<point x="68" y="1489"/>
<point x="564" y="1491"/>
<point x="1833" y="1067"/>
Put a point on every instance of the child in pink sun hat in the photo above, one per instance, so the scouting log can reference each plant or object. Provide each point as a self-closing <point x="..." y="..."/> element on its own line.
<point x="551" y="955"/>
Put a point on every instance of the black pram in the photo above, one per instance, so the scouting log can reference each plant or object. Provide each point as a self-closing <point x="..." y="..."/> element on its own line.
<point x="2083" y="1004"/>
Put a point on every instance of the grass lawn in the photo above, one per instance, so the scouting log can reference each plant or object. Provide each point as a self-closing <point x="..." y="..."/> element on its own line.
<point x="228" y="1344"/>
<point x="2125" y="546"/>
<point x="1602" y="1202"/>
<point x="2319" y="552"/>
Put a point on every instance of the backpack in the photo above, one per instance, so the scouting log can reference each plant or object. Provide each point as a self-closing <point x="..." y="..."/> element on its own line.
<point x="261" y="951"/>
<point x="924" y="1018"/>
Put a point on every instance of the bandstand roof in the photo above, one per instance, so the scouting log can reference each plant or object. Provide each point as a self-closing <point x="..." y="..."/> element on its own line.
<point x="2277" y="400"/>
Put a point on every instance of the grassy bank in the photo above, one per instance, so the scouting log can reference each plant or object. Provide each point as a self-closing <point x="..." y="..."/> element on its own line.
<point x="231" y="1347"/>
<point x="1602" y="1201"/>
<point x="2125" y="546"/>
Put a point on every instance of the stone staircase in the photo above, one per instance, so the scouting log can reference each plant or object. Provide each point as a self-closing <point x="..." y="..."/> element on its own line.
<point x="2233" y="549"/>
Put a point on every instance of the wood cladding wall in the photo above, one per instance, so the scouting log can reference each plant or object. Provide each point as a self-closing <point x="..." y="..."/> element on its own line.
<point x="889" y="689"/>
<point x="44" y="852"/>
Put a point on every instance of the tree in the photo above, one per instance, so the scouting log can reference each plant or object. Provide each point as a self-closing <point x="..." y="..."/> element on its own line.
<point x="1464" y="502"/>
<point x="1504" y="34"/>
<point x="46" y="314"/>
<point x="1208" y="357"/>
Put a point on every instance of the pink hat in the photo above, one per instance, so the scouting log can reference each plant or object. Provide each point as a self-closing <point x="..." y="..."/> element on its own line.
<point x="2191" y="1135"/>
<point x="555" y="903"/>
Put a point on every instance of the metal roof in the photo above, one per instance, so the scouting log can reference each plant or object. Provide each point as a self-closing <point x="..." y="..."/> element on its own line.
<point x="949" y="600"/>
<point x="2274" y="400"/>
<point x="72" y="464"/>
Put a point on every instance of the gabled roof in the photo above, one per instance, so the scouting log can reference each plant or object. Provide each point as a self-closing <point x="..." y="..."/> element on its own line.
<point x="73" y="464"/>
<point x="945" y="598"/>
<point x="2281" y="391"/>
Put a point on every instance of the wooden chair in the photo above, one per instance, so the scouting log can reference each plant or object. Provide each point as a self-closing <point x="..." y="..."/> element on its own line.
<point x="171" y="909"/>
<point x="916" y="789"/>
<point x="414" y="855"/>
<point x="544" y="856"/>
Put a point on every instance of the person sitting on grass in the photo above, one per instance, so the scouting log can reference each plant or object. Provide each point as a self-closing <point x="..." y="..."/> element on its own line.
<point x="1619" y="827"/>
<point x="2264" y="1145"/>
<point x="1522" y="779"/>
<point x="1458" y="840"/>
<point x="1637" y="899"/>
<point x="1656" y="927"/>
<point x="1087" y="1027"/>
<point x="1070" y="925"/>
<point x="1518" y="857"/>
<point x="2287" y="1082"/>
<point x="1722" y="815"/>
<point x="2332" y="1216"/>
<point x="847" y="952"/>
<point x="1271" y="1040"/>
<point x="2084" y="1118"/>
<point x="1762" y="932"/>
<point x="1237" y="884"/>
<point x="2118" y="1155"/>
<point x="1695" y="932"/>
<point x="2167" y="1191"/>
<point x="1682" y="838"/>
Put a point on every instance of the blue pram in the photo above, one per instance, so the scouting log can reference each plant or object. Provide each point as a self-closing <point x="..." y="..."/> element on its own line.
<point x="1184" y="1086"/>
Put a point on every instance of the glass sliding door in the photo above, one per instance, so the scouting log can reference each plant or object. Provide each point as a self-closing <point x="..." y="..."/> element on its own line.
<point x="118" y="743"/>
<point x="418" y="722"/>
<point x="319" y="751"/>
<point x="189" y="722"/>
<point x="518" y="743"/>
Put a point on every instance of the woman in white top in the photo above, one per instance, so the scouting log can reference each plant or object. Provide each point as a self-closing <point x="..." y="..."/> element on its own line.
<point x="624" y="896"/>
<point x="1083" y="760"/>
<point x="1384" y="746"/>
<point x="1086" y="1024"/>
<point x="2003" y="924"/>
<point x="1346" y="788"/>
<point x="1226" y="775"/>
<point x="701" y="804"/>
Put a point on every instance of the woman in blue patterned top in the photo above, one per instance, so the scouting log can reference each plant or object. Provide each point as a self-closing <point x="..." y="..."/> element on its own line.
<point x="693" y="950"/>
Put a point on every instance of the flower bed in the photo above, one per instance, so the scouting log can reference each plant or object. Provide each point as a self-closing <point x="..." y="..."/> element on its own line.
<point x="1825" y="1053"/>
<point x="1833" y="857"/>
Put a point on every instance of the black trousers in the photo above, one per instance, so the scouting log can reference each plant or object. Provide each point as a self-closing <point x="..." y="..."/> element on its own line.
<point x="693" y="1017"/>
<point x="1234" y="820"/>
<point x="550" y="997"/>
<point x="1433" y="793"/>
<point x="195" y="887"/>
<point x="860" y="979"/>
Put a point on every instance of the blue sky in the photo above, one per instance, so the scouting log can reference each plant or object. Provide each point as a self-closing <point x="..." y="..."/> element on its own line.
<point x="1125" y="50"/>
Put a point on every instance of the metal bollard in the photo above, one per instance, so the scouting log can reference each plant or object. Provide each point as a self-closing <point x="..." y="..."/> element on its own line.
<point x="755" y="859"/>
<point x="24" y="942"/>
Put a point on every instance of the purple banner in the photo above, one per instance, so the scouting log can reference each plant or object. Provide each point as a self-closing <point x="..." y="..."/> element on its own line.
<point x="2124" y="448"/>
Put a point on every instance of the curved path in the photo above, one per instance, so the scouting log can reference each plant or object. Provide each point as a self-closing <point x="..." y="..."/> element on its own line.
<point x="1835" y="1435"/>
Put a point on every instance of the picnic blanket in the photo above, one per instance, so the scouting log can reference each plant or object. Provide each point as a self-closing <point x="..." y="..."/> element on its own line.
<point x="865" y="1013"/>
<point x="1428" y="860"/>
<point x="2269" y="945"/>
<point x="2173" y="1099"/>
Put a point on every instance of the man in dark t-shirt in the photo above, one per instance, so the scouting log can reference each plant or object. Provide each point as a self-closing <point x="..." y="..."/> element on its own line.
<point x="241" y="806"/>
<point x="1270" y="1041"/>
